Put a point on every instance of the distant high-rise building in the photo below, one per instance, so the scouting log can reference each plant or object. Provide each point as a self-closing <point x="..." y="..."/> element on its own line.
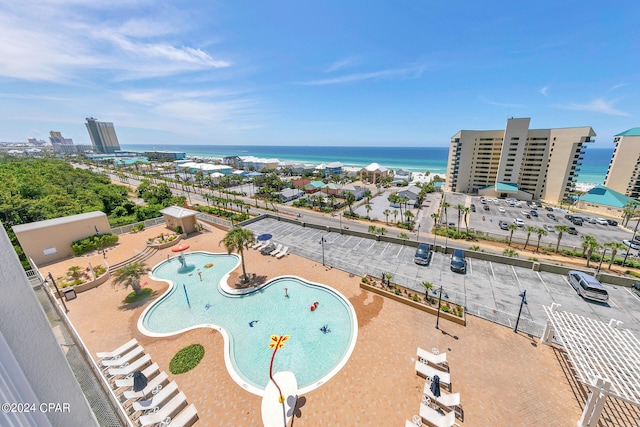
<point x="517" y="161"/>
<point x="61" y="144"/>
<point x="103" y="136"/>
<point x="623" y="175"/>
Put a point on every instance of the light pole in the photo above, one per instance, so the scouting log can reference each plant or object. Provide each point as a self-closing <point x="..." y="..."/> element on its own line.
<point x="635" y="230"/>
<point x="66" y="310"/>
<point x="418" y="237"/>
<point x="322" y="241"/>
<point x="439" y="301"/>
<point x="100" y="240"/>
<point x="340" y="218"/>
<point x="601" y="258"/>
<point x="523" y="295"/>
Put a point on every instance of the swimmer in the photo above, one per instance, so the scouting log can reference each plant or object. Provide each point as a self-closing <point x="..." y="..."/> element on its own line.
<point x="286" y="294"/>
<point x="200" y="275"/>
<point x="253" y="322"/>
<point x="207" y="306"/>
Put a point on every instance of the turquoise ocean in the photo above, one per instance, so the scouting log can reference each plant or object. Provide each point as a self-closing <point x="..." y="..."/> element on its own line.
<point x="415" y="159"/>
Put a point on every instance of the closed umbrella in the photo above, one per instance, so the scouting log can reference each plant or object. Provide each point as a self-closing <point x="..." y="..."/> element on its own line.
<point x="435" y="386"/>
<point x="139" y="381"/>
<point x="263" y="237"/>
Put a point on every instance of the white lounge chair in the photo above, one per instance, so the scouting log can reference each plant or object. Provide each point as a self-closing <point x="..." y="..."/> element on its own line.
<point x="427" y="371"/>
<point x="155" y="384"/>
<point x="417" y="422"/>
<point x="128" y="380"/>
<point x="166" y="411"/>
<point x="283" y="252"/>
<point x="436" y="360"/>
<point x="276" y="250"/>
<point x="263" y="245"/>
<point x="156" y="399"/>
<point x="256" y="244"/>
<point x="127" y="357"/>
<point x="449" y="400"/>
<point x="118" y="351"/>
<point x="131" y="368"/>
<point x="185" y="417"/>
<point x="435" y="418"/>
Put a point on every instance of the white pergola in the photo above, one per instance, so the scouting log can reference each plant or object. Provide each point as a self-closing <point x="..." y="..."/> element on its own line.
<point x="605" y="357"/>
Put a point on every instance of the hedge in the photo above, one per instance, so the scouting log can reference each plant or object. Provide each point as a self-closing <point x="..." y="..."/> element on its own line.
<point x="93" y="243"/>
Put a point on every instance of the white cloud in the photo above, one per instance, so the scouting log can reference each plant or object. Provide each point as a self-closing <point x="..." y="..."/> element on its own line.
<point x="341" y="64"/>
<point x="599" y="105"/>
<point x="544" y="90"/>
<point x="405" y="73"/>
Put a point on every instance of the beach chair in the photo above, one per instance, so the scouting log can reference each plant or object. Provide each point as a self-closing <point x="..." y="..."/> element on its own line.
<point x="154" y="385"/>
<point x="127" y="381"/>
<point x="118" y="352"/>
<point x="427" y="371"/>
<point x="435" y="418"/>
<point x="416" y="422"/>
<point x="437" y="360"/>
<point x="125" y="358"/>
<point x="450" y="401"/>
<point x="156" y="400"/>
<point x="256" y="244"/>
<point x="263" y="245"/>
<point x="186" y="417"/>
<point x="283" y="252"/>
<point x="130" y="368"/>
<point x="166" y="411"/>
<point x="276" y="250"/>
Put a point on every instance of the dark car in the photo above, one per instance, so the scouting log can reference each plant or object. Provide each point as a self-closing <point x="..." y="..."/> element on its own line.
<point x="552" y="216"/>
<point x="473" y="207"/>
<point x="458" y="262"/>
<point x="549" y="208"/>
<point x="612" y="222"/>
<point x="569" y="217"/>
<point x="423" y="254"/>
<point x="577" y="221"/>
<point x="572" y="230"/>
<point x="503" y="225"/>
<point x="534" y="213"/>
<point x="636" y="287"/>
<point x="486" y="207"/>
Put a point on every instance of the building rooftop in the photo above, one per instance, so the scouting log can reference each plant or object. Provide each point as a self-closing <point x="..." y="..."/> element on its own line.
<point x="602" y="195"/>
<point x="630" y="132"/>
<point x="177" y="212"/>
<point x="56" y="221"/>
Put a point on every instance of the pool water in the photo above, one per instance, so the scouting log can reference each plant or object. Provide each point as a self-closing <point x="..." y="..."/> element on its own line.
<point x="320" y="340"/>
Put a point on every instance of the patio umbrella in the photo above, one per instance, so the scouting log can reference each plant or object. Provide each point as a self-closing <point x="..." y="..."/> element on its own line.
<point x="179" y="248"/>
<point x="435" y="386"/>
<point x="264" y="237"/>
<point x="139" y="381"/>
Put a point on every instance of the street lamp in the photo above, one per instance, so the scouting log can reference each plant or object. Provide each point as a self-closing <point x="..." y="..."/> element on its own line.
<point x="635" y="230"/>
<point x="523" y="295"/>
<point x="439" y="302"/>
<point x="66" y="310"/>
<point x="322" y="242"/>
<point x="100" y="241"/>
<point x="418" y="237"/>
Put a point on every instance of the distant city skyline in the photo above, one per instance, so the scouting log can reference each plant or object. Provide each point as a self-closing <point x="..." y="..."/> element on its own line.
<point x="329" y="73"/>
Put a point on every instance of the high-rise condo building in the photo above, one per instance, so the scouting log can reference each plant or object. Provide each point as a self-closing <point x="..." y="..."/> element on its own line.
<point x="623" y="174"/>
<point x="517" y="162"/>
<point x="103" y="136"/>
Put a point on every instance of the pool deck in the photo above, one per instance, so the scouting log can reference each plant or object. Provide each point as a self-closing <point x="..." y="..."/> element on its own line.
<point x="504" y="378"/>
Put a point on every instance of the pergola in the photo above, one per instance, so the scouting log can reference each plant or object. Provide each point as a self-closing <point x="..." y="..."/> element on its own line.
<point x="605" y="357"/>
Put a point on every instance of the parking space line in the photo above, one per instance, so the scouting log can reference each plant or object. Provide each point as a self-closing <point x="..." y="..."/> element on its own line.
<point x="470" y="272"/>
<point x="337" y="237"/>
<point x="545" y="286"/>
<point x="372" y="245"/>
<point x="385" y="248"/>
<point x="400" y="251"/>
<point x="348" y="238"/>
<point x="632" y="293"/>
<point x="516" y="276"/>
<point x="492" y="272"/>
<point x="358" y="244"/>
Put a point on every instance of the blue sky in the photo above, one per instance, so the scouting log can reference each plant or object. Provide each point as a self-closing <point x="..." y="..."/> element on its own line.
<point x="405" y="73"/>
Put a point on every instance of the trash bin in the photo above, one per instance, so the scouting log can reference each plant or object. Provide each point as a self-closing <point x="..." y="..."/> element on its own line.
<point x="69" y="294"/>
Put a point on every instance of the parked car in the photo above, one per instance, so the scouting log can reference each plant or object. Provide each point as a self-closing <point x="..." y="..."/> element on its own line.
<point x="602" y="221"/>
<point x="486" y="207"/>
<point x="572" y="230"/>
<point x="569" y="217"/>
<point x="577" y="221"/>
<point x="423" y="254"/>
<point x="552" y="216"/>
<point x="549" y="208"/>
<point x="534" y="213"/>
<point x="549" y="228"/>
<point x="612" y="222"/>
<point x="452" y="225"/>
<point x="501" y="209"/>
<point x="633" y="244"/>
<point x="473" y="207"/>
<point x="636" y="238"/>
<point x="591" y="220"/>
<point x="518" y="222"/>
<point x="503" y="225"/>
<point x="636" y="288"/>
<point x="458" y="262"/>
<point x="588" y="287"/>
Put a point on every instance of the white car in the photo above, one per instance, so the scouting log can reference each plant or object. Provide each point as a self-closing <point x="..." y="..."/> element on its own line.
<point x="520" y="223"/>
<point x="549" y="228"/>
<point x="632" y="244"/>
<point x="501" y="209"/>
<point x="602" y="221"/>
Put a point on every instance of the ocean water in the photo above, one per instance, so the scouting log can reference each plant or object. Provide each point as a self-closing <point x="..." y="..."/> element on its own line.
<point x="416" y="159"/>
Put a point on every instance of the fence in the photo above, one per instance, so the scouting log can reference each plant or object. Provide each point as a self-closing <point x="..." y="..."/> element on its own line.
<point x="147" y="223"/>
<point x="225" y="223"/>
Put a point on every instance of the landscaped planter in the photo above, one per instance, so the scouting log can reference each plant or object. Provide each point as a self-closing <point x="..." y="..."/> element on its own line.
<point x="89" y="285"/>
<point x="419" y="305"/>
<point x="167" y="244"/>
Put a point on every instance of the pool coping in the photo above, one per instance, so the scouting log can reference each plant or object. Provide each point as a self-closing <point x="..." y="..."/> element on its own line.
<point x="223" y="285"/>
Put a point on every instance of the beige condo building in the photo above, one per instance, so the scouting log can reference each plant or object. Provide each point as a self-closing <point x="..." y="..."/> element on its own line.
<point x="623" y="174"/>
<point x="530" y="164"/>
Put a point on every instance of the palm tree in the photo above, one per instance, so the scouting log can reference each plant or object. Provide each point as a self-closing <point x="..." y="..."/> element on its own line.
<point x="349" y="198"/>
<point x="530" y="229"/>
<point x="386" y="215"/>
<point x="409" y="216"/>
<point x="541" y="232"/>
<point x="129" y="275"/>
<point x="367" y="195"/>
<point x="467" y="210"/>
<point x="435" y="217"/>
<point x="585" y="243"/>
<point x="591" y="248"/>
<point x="395" y="215"/>
<point x="236" y="240"/>
<point x="614" y="246"/>
<point x="368" y="208"/>
<point x="629" y="210"/>
<point x="444" y="206"/>
<point x="427" y="287"/>
<point x="460" y="208"/>
<point x="511" y="227"/>
<point x="561" y="229"/>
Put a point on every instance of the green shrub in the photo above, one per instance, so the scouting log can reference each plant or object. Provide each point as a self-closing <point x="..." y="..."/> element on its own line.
<point x="132" y="297"/>
<point x="365" y="280"/>
<point x="396" y="291"/>
<point x="186" y="359"/>
<point x="178" y="229"/>
<point x="92" y="243"/>
<point x="445" y="308"/>
<point x="415" y="298"/>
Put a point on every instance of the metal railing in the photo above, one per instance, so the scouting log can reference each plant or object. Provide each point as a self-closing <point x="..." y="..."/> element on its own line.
<point x="147" y="223"/>
<point x="214" y="220"/>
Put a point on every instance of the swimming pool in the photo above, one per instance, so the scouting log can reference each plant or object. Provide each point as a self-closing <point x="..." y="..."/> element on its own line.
<point x="321" y="340"/>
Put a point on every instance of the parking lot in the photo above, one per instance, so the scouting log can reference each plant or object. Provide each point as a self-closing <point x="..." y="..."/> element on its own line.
<point x="489" y="290"/>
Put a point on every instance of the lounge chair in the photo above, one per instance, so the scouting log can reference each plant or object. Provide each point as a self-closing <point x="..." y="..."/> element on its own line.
<point x="126" y="358"/>
<point x="427" y="371"/>
<point x="129" y="369"/>
<point x="435" y="418"/>
<point x="263" y="245"/>
<point x="156" y="399"/>
<point x="155" y="384"/>
<point x="167" y="410"/>
<point x="283" y="252"/>
<point x="417" y="422"/>
<point x="186" y="417"/>
<point x="128" y="380"/>
<point x="256" y="244"/>
<point x="438" y="361"/>
<point x="448" y="400"/>
<point x="276" y="250"/>
<point x="118" y="351"/>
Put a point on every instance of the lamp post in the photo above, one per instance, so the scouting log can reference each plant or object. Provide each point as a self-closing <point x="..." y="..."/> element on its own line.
<point x="66" y="310"/>
<point x="635" y="230"/>
<point x="439" y="302"/>
<point x="340" y="218"/>
<point x="523" y="295"/>
<point x="99" y="240"/>
<point x="418" y="237"/>
<point x="322" y="241"/>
